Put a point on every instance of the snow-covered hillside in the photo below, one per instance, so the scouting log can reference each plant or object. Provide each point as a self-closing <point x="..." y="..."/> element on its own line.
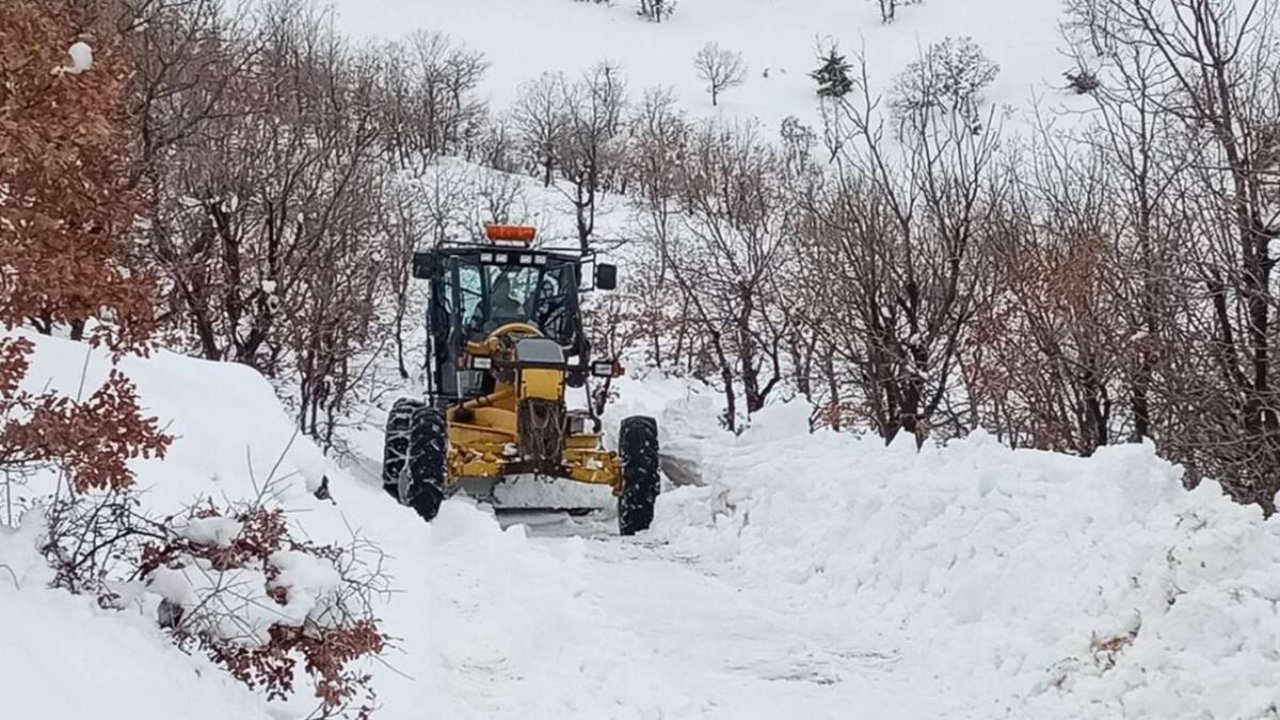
<point x="819" y="576"/>
<point x="780" y="42"/>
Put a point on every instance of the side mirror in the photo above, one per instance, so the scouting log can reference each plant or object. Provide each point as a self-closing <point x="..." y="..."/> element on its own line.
<point x="423" y="264"/>
<point x="606" y="276"/>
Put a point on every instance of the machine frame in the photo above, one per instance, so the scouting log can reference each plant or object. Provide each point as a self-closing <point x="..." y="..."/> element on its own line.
<point x="488" y="382"/>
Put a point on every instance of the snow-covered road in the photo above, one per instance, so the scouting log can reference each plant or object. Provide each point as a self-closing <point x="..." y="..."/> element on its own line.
<point x="807" y="576"/>
<point x="660" y="635"/>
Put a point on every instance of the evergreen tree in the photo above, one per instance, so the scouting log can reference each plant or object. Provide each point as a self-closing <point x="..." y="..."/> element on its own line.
<point x="833" y="76"/>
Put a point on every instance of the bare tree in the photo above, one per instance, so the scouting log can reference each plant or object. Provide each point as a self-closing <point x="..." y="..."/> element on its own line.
<point x="659" y="142"/>
<point x="264" y="221"/>
<point x="1088" y="26"/>
<point x="1046" y="362"/>
<point x="401" y="223"/>
<point x="1188" y="99"/>
<point x="542" y="119"/>
<point x="588" y="148"/>
<point x="728" y="258"/>
<point x="1131" y="136"/>
<point x="946" y="81"/>
<point x="183" y="73"/>
<point x="1208" y="67"/>
<point x="908" y="233"/>
<point x="720" y="69"/>
<point x="428" y="88"/>
<point x="889" y="9"/>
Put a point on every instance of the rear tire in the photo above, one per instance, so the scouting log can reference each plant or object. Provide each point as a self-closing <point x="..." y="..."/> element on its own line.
<point x="422" y="485"/>
<point x="641" y="481"/>
<point x="395" y="449"/>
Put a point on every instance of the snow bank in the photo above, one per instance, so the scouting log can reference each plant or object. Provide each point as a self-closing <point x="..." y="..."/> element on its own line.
<point x="458" y="591"/>
<point x="65" y="658"/>
<point x="1059" y="587"/>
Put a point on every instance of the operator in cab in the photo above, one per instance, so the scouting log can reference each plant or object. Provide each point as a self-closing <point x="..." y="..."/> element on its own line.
<point x="502" y="307"/>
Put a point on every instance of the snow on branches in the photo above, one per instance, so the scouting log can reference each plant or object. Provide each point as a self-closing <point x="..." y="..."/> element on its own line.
<point x="238" y="586"/>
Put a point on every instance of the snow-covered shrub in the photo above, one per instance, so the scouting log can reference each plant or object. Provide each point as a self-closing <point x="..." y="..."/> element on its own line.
<point x="1083" y="81"/>
<point x="233" y="583"/>
<point x="656" y="10"/>
<point x="92" y="541"/>
<point x="237" y="585"/>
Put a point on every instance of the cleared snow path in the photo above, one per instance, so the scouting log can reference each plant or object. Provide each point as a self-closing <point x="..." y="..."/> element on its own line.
<point x="659" y="636"/>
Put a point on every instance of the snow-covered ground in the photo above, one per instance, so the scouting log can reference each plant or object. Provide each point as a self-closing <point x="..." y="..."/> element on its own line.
<point x="816" y="576"/>
<point x="779" y="40"/>
<point x="63" y="658"/>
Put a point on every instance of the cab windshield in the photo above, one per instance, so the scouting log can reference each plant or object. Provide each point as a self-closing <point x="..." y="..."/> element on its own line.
<point x="491" y="296"/>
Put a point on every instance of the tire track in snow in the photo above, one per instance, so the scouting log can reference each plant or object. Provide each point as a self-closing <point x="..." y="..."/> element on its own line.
<point x="661" y="636"/>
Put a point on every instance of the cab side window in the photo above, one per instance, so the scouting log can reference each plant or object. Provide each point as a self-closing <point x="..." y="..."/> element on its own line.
<point x="471" y="288"/>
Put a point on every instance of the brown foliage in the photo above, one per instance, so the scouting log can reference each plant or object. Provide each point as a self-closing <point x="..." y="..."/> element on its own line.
<point x="65" y="214"/>
<point x="93" y="440"/>
<point x="67" y="211"/>
<point x="325" y="655"/>
<point x="263" y="532"/>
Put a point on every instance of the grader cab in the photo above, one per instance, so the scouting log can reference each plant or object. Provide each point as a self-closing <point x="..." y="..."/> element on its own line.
<point x="506" y="341"/>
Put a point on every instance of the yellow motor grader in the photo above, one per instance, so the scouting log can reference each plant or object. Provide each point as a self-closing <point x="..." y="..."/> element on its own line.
<point x="505" y="340"/>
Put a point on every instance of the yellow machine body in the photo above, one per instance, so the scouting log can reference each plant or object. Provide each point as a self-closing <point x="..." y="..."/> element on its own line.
<point x="489" y="434"/>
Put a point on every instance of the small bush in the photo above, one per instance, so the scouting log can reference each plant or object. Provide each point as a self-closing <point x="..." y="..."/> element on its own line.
<point x="240" y="588"/>
<point x="236" y="585"/>
<point x="1106" y="651"/>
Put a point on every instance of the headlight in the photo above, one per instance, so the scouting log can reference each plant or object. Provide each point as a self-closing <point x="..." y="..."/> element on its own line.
<point x="481" y="362"/>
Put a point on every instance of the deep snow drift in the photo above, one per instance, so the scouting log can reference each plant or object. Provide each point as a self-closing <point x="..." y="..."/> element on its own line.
<point x="1042" y="585"/>
<point x="819" y="576"/>
<point x="233" y="439"/>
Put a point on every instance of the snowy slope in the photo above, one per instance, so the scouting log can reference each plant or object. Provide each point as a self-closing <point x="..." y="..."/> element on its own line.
<point x="523" y="38"/>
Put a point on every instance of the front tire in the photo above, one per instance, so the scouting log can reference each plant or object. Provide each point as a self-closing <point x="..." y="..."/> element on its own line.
<point x="395" y="449"/>
<point x="641" y="480"/>
<point x="422" y="484"/>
